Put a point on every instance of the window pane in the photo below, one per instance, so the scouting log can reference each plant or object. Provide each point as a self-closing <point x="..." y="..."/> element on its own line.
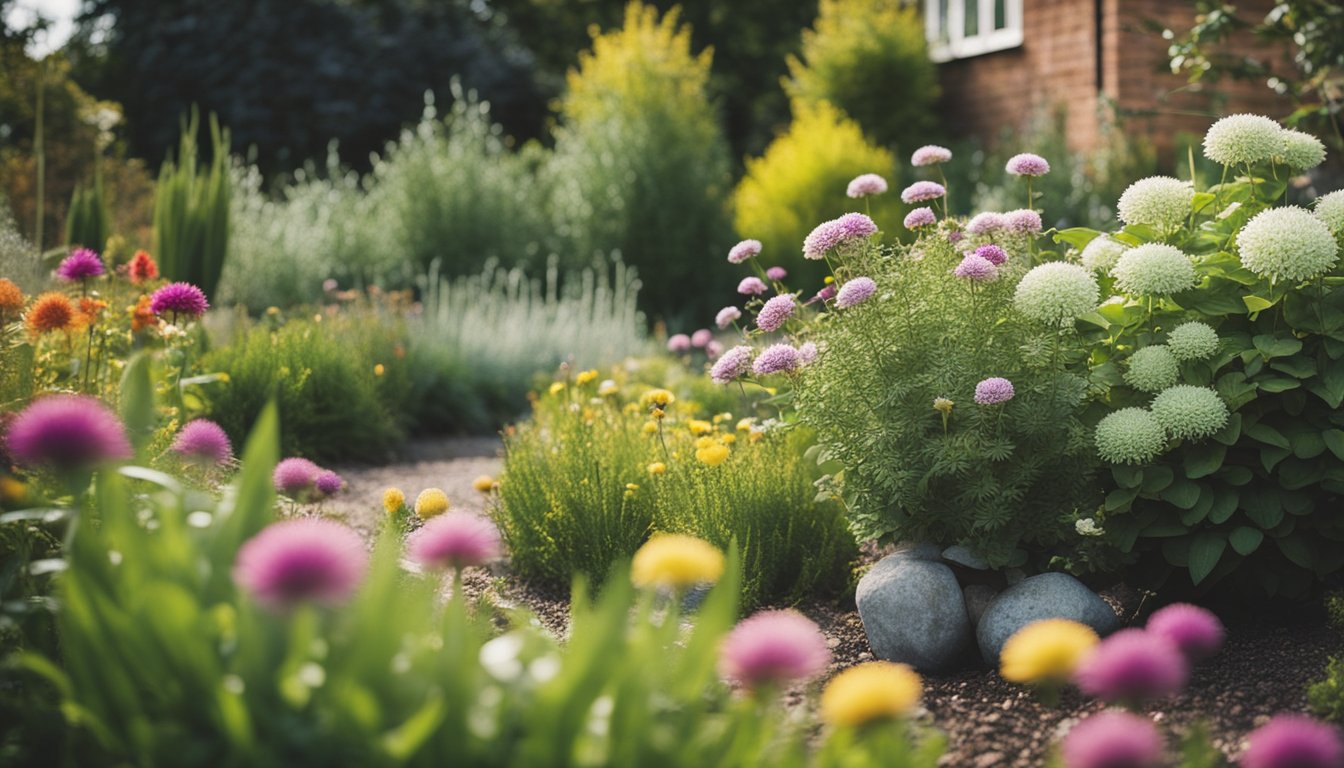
<point x="942" y="20"/>
<point x="972" y="17"/>
<point x="1000" y="14"/>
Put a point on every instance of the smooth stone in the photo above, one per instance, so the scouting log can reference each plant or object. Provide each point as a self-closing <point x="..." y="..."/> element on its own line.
<point x="918" y="550"/>
<point x="913" y="612"/>
<point x="1045" y="596"/>
<point x="978" y="597"/>
<point x="962" y="555"/>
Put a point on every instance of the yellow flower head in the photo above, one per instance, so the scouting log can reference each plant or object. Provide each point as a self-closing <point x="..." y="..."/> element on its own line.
<point x="431" y="502"/>
<point x="658" y="414"/>
<point x="630" y="408"/>
<point x="650" y="427"/>
<point x="729" y="439"/>
<point x="393" y="500"/>
<point x="699" y="426"/>
<point x="675" y="560"/>
<point x="1046" y="651"/>
<point x="631" y="487"/>
<point x="704" y="442"/>
<point x="942" y="405"/>
<point x="608" y="387"/>
<point x="712" y="455"/>
<point x="585" y="377"/>
<point x="379" y="369"/>
<point x="657" y="468"/>
<point x="875" y="690"/>
<point x="722" y="417"/>
<point x="659" y="397"/>
<point x="484" y="483"/>
<point x="557" y="388"/>
<point x="744" y="425"/>
<point x="11" y="489"/>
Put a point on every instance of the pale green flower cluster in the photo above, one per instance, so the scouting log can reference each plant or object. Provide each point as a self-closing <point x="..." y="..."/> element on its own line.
<point x="1154" y="269"/>
<point x="1300" y="151"/>
<point x="1287" y="244"/>
<point x="1160" y="202"/>
<point x="1056" y="292"/>
<point x="1189" y="412"/>
<point x="1101" y="253"/>
<point x="1243" y="139"/>
<point x="1130" y="436"/>
<point x="1192" y="341"/>
<point x="1152" y="369"/>
<point x="1330" y="210"/>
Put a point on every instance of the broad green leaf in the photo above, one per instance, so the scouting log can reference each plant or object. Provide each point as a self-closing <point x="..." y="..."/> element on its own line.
<point x="1266" y="434"/>
<point x="1334" y="440"/>
<point x="1205" y="551"/>
<point x="1231" y="431"/>
<point x="1297" y="549"/>
<point x="1078" y="237"/>
<point x="1270" y="456"/>
<point x="1224" y="504"/>
<point x="1203" y="459"/>
<point x="1277" y="384"/>
<point x="1256" y="304"/>
<point x="1299" y="367"/>
<point x="1236" y="475"/>
<point x="1156" y="477"/>
<point x="1182" y="493"/>
<point x="1132" y="477"/>
<point x="1263" y="507"/>
<point x="137" y="400"/>
<point x="1120" y="499"/>
<point x="1245" y="539"/>
<point x="1276" y="346"/>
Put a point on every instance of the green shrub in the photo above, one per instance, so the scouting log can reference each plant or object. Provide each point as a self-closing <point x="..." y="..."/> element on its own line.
<point x="856" y="44"/>
<point x="1326" y="697"/>
<point x="191" y="210"/>
<point x="19" y="260"/>
<point x="89" y="222"/>
<point x="641" y="166"/>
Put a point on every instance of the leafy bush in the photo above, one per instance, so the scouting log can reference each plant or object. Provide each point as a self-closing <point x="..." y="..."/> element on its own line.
<point x="853" y="45"/>
<point x="89" y="222"/>
<point x="1326" y="697"/>
<point x="640" y="165"/>
<point x="191" y="210"/>
<point x="800" y="182"/>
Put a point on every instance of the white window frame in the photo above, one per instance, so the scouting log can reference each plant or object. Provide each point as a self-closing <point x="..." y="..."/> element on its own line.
<point x="954" y="43"/>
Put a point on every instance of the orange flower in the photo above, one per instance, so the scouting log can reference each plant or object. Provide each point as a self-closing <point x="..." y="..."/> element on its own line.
<point x="11" y="298"/>
<point x="89" y="311"/>
<point x="51" y="312"/>
<point x="142" y="268"/>
<point x="142" y="316"/>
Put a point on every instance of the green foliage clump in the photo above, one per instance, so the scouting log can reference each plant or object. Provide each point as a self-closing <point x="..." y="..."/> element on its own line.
<point x="800" y="182"/>
<point x="1326" y="696"/>
<point x="89" y="222"/>
<point x="191" y="210"/>
<point x="855" y="45"/>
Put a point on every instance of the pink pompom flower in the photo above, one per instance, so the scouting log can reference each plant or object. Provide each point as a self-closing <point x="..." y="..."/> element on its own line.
<point x="1197" y="632"/>
<point x="1023" y="221"/>
<point x="993" y="391"/>
<point x="930" y="154"/>
<point x="777" y="358"/>
<point x="829" y="235"/>
<point x="865" y="185"/>
<point x="65" y="433"/>
<point x="773" y="648"/>
<point x="807" y="353"/>
<point x="744" y="250"/>
<point x="986" y="223"/>
<point x="297" y="561"/>
<point x="1027" y="164"/>
<point x="454" y="541"/>
<point x="752" y="286"/>
<point x="1112" y="739"/>
<point x="701" y="338"/>
<point x="328" y="483"/>
<point x="176" y="299"/>
<point x="977" y="268"/>
<point x="732" y="365"/>
<point x="993" y="254"/>
<point x="203" y="440"/>
<point x="921" y="191"/>
<point x="80" y="265"/>
<point x="678" y="342"/>
<point x="294" y="476"/>
<point x="1132" y="666"/>
<point x="855" y="291"/>
<point x="775" y="312"/>
<point x="1294" y="741"/>
<point x="713" y="349"/>
<point x="920" y="217"/>
<point x="727" y="316"/>
<point x="776" y="273"/>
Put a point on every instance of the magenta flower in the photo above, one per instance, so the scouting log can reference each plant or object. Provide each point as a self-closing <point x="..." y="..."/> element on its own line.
<point x="1294" y="741"/>
<point x="865" y="185"/>
<point x="954" y="236"/>
<point x="1027" y="164"/>
<point x="920" y="217"/>
<point x="777" y="358"/>
<point x="732" y="365"/>
<point x="296" y="561"/>
<point x="1023" y="222"/>
<point x="825" y="294"/>
<point x="986" y="223"/>
<point x="66" y="432"/>
<point x="179" y="299"/>
<point x="454" y="541"/>
<point x="993" y="254"/>
<point x="80" y="265"/>
<point x="744" y="250"/>
<point x="776" y="273"/>
<point x="856" y="291"/>
<point x="993" y="391"/>
<point x="921" y="191"/>
<point x="1112" y="739"/>
<point x="727" y="316"/>
<point x="203" y="440"/>
<point x="1197" y="632"/>
<point x="1131" y="666"/>
<point x="294" y="476"/>
<point x="328" y="483"/>
<point x="773" y="648"/>
<point x="777" y="310"/>
<point x="678" y="342"/>
<point x="701" y="337"/>
<point x="807" y="353"/>
<point x="752" y="286"/>
<point x="930" y="154"/>
<point x="977" y="268"/>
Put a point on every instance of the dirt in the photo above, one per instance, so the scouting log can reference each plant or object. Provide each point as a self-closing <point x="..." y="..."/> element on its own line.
<point x="1263" y="670"/>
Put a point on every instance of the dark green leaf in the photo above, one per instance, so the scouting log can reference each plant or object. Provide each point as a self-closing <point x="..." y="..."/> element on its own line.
<point x="1224" y="504"/>
<point x="1182" y="493"/>
<point x="1267" y="435"/>
<point x="1205" y="551"/>
<point x="1203" y="459"/>
<point x="1245" y="539"/>
<point x="1156" y="477"/>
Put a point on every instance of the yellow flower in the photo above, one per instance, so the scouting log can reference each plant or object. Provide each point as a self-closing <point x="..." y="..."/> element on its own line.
<point x="607" y="387"/>
<point x="650" y="427"/>
<point x="704" y="442"/>
<point x="942" y="405"/>
<point x="755" y="437"/>
<point x="431" y="502"/>
<point x="675" y="560"/>
<point x="744" y="425"/>
<point x="659" y="397"/>
<point x="712" y="455"/>
<point x="557" y="387"/>
<point x="379" y="370"/>
<point x="484" y="483"/>
<point x="875" y="690"/>
<point x="1046" y="651"/>
<point x="699" y="426"/>
<point x="828" y="280"/>
<point x="721" y="417"/>
<point x="11" y="489"/>
<point x="272" y="311"/>
<point x="585" y="376"/>
<point x="729" y="439"/>
<point x="393" y="500"/>
<point x="631" y="487"/>
<point x="658" y="414"/>
<point x="631" y="408"/>
<point x="657" y="468"/>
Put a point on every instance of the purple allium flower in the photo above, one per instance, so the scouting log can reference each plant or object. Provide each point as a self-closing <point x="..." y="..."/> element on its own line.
<point x="328" y="483"/>
<point x="713" y="349"/>
<point x="992" y="253"/>
<point x="856" y="291"/>
<point x="921" y="191"/>
<point x="775" y="312"/>
<point x="867" y="184"/>
<point x="1197" y="632"/>
<point x="920" y="217"/>
<point x="1133" y="665"/>
<point x="679" y="342"/>
<point x="179" y="299"/>
<point x="807" y="353"/>
<point x="80" y="265"/>
<point x="930" y="154"/>
<point x="294" y="476"/>
<point x="1027" y="164"/>
<point x="1294" y="741"/>
<point x="776" y="358"/>
<point x="744" y="250"/>
<point x="66" y="432"/>
<point x="986" y="223"/>
<point x="825" y="294"/>
<point x="454" y="541"/>
<point x="977" y="268"/>
<point x="773" y="647"/>
<point x="1112" y="739"/>
<point x="732" y="365"/>
<point x="701" y="337"/>
<point x="727" y="316"/>
<point x="296" y="561"/>
<point x="854" y="226"/>
<point x="954" y="236"/>
<point x="204" y="440"/>
<point x="776" y="273"/>
<point x="1024" y="221"/>
<point x="994" y="390"/>
<point x="829" y="235"/>
<point x="752" y="286"/>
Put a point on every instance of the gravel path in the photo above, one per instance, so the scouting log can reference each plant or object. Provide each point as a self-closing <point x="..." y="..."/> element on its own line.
<point x="1263" y="670"/>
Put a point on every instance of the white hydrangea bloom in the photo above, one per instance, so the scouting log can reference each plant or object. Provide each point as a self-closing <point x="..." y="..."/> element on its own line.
<point x="1152" y="369"/>
<point x="1154" y="269"/>
<point x="1287" y="244"/>
<point x="1101" y="253"/>
<point x="1242" y="139"/>
<point x="1130" y="436"/>
<point x="1190" y="412"/>
<point x="1160" y="202"/>
<point x="1330" y="210"/>
<point x="1192" y="341"/>
<point x="1056" y="292"/>
<point x="1300" y="151"/>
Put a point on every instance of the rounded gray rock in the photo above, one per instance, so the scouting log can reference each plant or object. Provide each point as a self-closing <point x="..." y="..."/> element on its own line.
<point x="1045" y="596"/>
<point x="913" y="612"/>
